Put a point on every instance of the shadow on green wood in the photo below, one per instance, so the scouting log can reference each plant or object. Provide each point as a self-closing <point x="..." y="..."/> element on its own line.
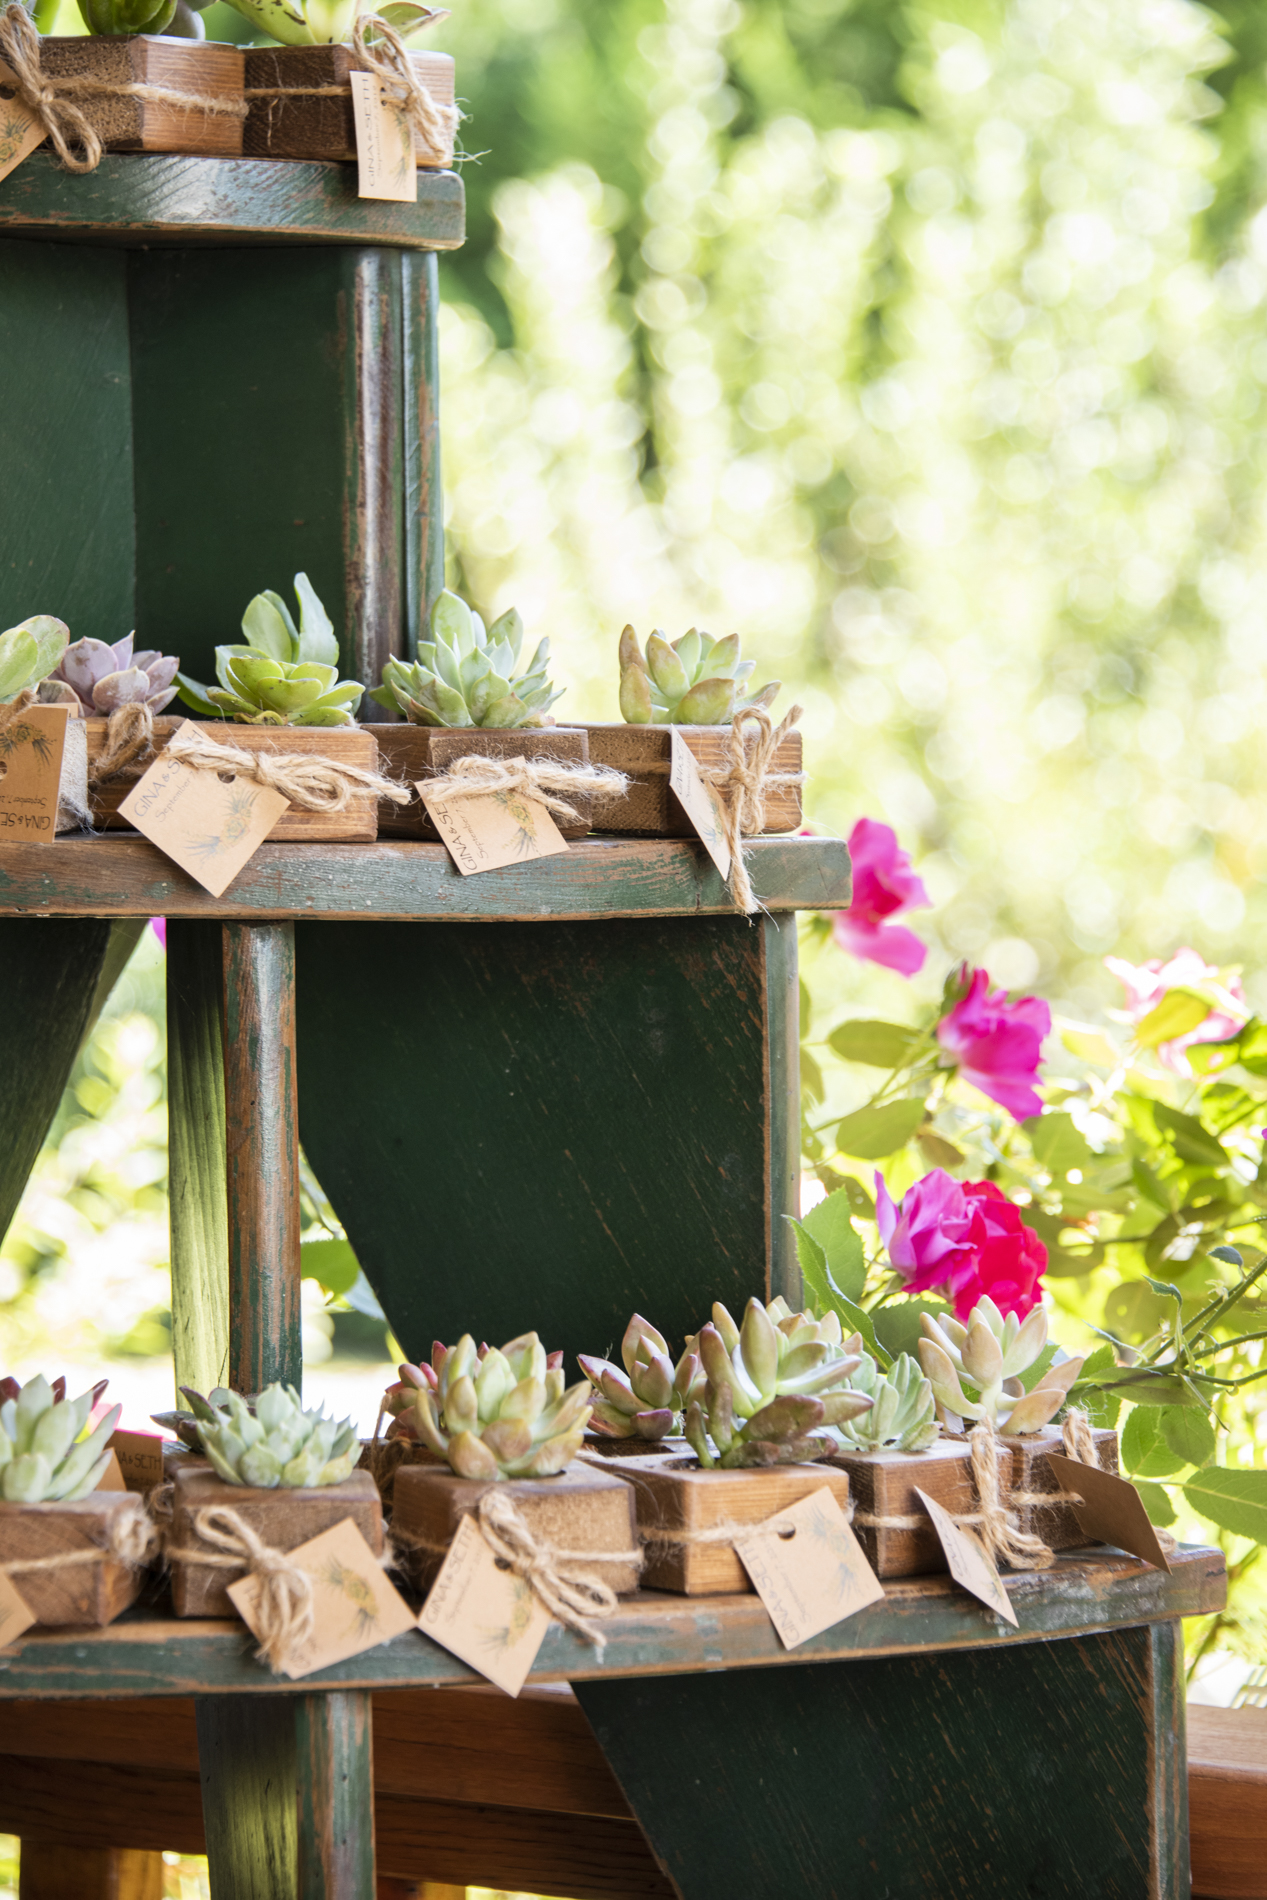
<point x="197" y="1158"/>
<point x="247" y="1765"/>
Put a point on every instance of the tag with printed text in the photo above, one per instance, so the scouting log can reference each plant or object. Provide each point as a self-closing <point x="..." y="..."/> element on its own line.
<point x="210" y="823"/>
<point x="112" y="1478"/>
<point x="968" y="1563"/>
<point x="485" y="830"/>
<point x="385" y="163"/>
<point x="20" y="128"/>
<point x="1111" y="1510"/>
<point x="15" y="1618"/>
<point x="488" y="1616"/>
<point x="354" y="1606"/>
<point x="31" y="748"/>
<point x="697" y="800"/>
<point x="140" y="1456"/>
<point x="808" y="1568"/>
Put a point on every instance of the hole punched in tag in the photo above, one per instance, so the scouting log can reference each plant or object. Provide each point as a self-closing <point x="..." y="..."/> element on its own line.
<point x="787" y="1531"/>
<point x="226" y="778"/>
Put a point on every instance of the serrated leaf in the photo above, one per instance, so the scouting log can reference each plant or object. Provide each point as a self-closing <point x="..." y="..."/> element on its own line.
<point x="827" y="1296"/>
<point x="1156" y="1502"/>
<point x="897" y="1324"/>
<point x="1188" y="1432"/>
<point x="880" y="1045"/>
<point x="831" y="1225"/>
<point x="1234" y="1500"/>
<point x="869" y="1134"/>
<point x="1145" y="1452"/>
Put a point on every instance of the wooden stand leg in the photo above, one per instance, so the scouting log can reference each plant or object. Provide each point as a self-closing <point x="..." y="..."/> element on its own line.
<point x="334" y="1746"/>
<point x="196" y="1154"/>
<point x="49" y="1871"/>
<point x="246" y="1759"/>
<point x="263" y="1155"/>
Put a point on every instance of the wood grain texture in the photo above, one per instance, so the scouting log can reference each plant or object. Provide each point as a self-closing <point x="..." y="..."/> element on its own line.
<point x="1032" y="1476"/>
<point x="644" y="753"/>
<point x="424" y="501"/>
<point x="120" y="876"/>
<point x="781" y="1035"/>
<point x="883" y="1485"/>
<point x="92" y="1592"/>
<point x="676" y="1499"/>
<point x="1167" y="1759"/>
<point x="261" y="1110"/>
<point x="147" y="199"/>
<point x="1227" y="1801"/>
<point x="126" y="123"/>
<point x="581" y="1509"/>
<point x="334" y="1749"/>
<point x="197" y="1154"/>
<point x="294" y="120"/>
<point x="247" y="1766"/>
<point x="53" y="1871"/>
<point x="283" y="1518"/>
<point x="410" y="753"/>
<point x="375" y="397"/>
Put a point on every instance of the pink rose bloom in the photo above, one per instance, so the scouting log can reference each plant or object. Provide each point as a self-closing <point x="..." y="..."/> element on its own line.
<point x="962" y="1240"/>
<point x="884" y="886"/>
<point x="1146" y="983"/>
<point x="1009" y="1258"/>
<point x="997" y="1045"/>
<point x="925" y="1232"/>
<point x="159" y="926"/>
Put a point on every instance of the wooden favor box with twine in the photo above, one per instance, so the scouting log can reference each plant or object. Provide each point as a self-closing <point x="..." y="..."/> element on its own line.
<point x="98" y="1585"/>
<point x="383" y="1457"/>
<point x="411" y="753"/>
<point x="643" y="752"/>
<point x="300" y="103"/>
<point x="692" y="1511"/>
<point x="1031" y="1477"/>
<point x="128" y="75"/>
<point x="282" y="1519"/>
<point x="889" y="1521"/>
<point x="581" y="1510"/>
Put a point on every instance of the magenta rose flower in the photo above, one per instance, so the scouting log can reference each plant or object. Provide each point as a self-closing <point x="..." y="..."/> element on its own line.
<point x="159" y="926"/>
<point x="884" y="886"/>
<point x="1147" y="983"/>
<point x="961" y="1240"/>
<point x="996" y="1045"/>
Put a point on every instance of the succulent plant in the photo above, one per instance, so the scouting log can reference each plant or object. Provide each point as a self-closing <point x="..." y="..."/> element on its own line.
<point x="772" y="1382"/>
<point x="274" y="1443"/>
<point x="648" y="1398"/>
<point x="398" y="1400"/>
<point x="903" y="1415"/>
<point x="44" y="1459"/>
<point x="282" y="676"/>
<point x="462" y="676"/>
<point x="29" y="652"/>
<point x="695" y="681"/>
<point x="505" y="1415"/>
<point x="127" y="16"/>
<point x="326" y="22"/>
<point x="987" y="1357"/>
<point x="97" y="678"/>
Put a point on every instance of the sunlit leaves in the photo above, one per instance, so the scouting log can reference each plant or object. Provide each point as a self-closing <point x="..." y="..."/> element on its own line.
<point x="872" y="1133"/>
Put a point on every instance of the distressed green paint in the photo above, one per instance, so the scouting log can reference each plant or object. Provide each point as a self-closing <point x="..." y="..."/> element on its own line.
<point x="424" y="502"/>
<point x="65" y="438"/>
<point x="247" y="1766"/>
<point x="1168" y="1761"/>
<point x="783" y="1094"/>
<point x="335" y="1754"/>
<point x="197" y="1161"/>
<point x="374" y="405"/>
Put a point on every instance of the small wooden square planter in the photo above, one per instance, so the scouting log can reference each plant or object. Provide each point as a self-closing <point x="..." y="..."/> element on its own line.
<point x="675" y="1499"/>
<point x="1032" y="1475"/>
<point x="195" y="70"/>
<point x="300" y="102"/>
<point x="643" y="752"/>
<point x="883" y="1485"/>
<point x="89" y="1592"/>
<point x="283" y="1519"/>
<point x="384" y="1459"/>
<point x="581" y="1509"/>
<point x="410" y="753"/>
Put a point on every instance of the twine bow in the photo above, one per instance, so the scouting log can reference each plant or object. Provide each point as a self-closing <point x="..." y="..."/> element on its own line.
<point x="571" y="1597"/>
<point x="541" y="779"/>
<point x="386" y="54"/>
<point x="307" y="780"/>
<point x="129" y="737"/>
<point x="283" y="1613"/>
<point x="744" y="783"/>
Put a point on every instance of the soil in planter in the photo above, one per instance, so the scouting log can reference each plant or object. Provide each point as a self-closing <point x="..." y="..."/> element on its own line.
<point x="643" y="752"/>
<point x="300" y="102"/>
<point x="411" y="753"/>
<point x="126" y="123"/>
<point x="282" y="1518"/>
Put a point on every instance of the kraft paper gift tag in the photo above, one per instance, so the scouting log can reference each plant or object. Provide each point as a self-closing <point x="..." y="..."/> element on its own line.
<point x="140" y="1456"/>
<point x="808" y="1568"/>
<point x="386" y="167"/>
<point x="112" y="1478"/>
<point x="1111" y="1511"/>
<point x="20" y="128"/>
<point x="483" y="1613"/>
<point x="484" y="830"/>
<point x="969" y="1565"/>
<point x="210" y="823"/>
<point x="697" y="800"/>
<point x="30" y="773"/>
<point x="354" y="1606"/>
<point x="15" y="1618"/>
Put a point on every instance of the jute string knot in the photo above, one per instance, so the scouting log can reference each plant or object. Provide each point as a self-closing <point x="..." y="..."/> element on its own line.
<point x="131" y="1539"/>
<point x="129" y="737"/>
<point x="1000" y="1532"/>
<point x="744" y="783"/>
<point x="544" y="779"/>
<point x="307" y="780"/>
<point x="283" y="1614"/>
<point x="574" y="1599"/>
<point x="387" y="55"/>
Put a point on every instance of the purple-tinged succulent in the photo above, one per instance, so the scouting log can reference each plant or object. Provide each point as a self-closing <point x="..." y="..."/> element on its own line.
<point x="99" y="678"/>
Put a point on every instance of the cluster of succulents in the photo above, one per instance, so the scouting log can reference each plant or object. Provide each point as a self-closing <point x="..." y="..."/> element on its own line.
<point x="648" y="1399"/>
<point x="772" y="1383"/>
<point x="493" y="1413"/>
<point x="903" y="1415"/>
<point x="284" y="675"/>
<point x="694" y="681"/>
<point x="974" y="1370"/>
<point x="93" y="677"/>
<point x="273" y="1443"/>
<point x="463" y="674"/>
<point x="325" y="22"/>
<point x="45" y="1455"/>
<point x="29" y="652"/>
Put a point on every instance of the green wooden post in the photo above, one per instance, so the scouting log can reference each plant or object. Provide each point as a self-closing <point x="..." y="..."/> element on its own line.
<point x="197" y="1161"/>
<point x="424" y="502"/>
<point x="247" y="1766"/>
<point x="334" y="1745"/>
<point x="783" y="1099"/>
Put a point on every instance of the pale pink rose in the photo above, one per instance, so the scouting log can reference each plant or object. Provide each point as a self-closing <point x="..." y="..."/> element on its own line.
<point x="1146" y="983"/>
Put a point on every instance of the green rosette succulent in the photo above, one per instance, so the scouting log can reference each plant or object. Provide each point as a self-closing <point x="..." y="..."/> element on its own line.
<point x="328" y="22"/>
<point x="505" y="1415"/>
<point x="273" y="1443"/>
<point x="974" y="1370"/>
<point x="283" y="675"/>
<point x="29" y="652"/>
<point x="463" y="674"/>
<point x="695" y="681"/>
<point x="127" y="16"/>
<point x="771" y="1384"/>
<point x="903" y="1415"/>
<point x="646" y="1400"/>
<point x="44" y="1459"/>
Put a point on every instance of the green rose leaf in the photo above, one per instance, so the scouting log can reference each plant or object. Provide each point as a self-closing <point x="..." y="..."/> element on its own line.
<point x="1234" y="1500"/>
<point x="1188" y="1432"/>
<point x="831" y="1225"/>
<point x="827" y="1296"/>
<point x="1177" y="1013"/>
<point x="1145" y="1450"/>
<point x="871" y="1133"/>
<point x="1057" y="1143"/>
<point x="880" y="1045"/>
<point x="897" y="1325"/>
<point x="332" y="1263"/>
<point x="1156" y="1502"/>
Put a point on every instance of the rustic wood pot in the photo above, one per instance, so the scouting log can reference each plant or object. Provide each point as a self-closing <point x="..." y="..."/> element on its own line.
<point x="410" y="753"/>
<point x="884" y="1483"/>
<point x="283" y="1519"/>
<point x="643" y="753"/>
<point x="580" y="1509"/>
<point x="346" y="745"/>
<point x="384" y="1459"/>
<point x="675" y="1498"/>
<point x="126" y="123"/>
<point x="89" y="1593"/>
<point x="292" y="114"/>
<point x="1031" y="1474"/>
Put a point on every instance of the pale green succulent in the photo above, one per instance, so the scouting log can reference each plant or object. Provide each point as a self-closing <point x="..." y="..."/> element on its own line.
<point x="274" y="1443"/>
<point x="695" y="681"/>
<point x="29" y="652"/>
<point x="903" y="1415"/>
<point x="648" y="1398"/>
<point x="503" y="1415"/>
<point x="330" y="22"/>
<point x="462" y="676"/>
<point x="772" y="1382"/>
<point x="974" y="1370"/>
<point x="283" y="676"/>
<point x="43" y="1458"/>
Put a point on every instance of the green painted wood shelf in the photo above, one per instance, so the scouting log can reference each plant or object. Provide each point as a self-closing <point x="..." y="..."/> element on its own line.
<point x="653" y="1634"/>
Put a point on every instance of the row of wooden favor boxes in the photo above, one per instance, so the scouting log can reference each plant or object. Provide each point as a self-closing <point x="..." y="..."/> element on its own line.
<point x="412" y="753"/>
<point x="298" y="99"/>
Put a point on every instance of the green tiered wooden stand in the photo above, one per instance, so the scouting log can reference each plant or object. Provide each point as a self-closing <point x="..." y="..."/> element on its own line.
<point x="541" y="1096"/>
